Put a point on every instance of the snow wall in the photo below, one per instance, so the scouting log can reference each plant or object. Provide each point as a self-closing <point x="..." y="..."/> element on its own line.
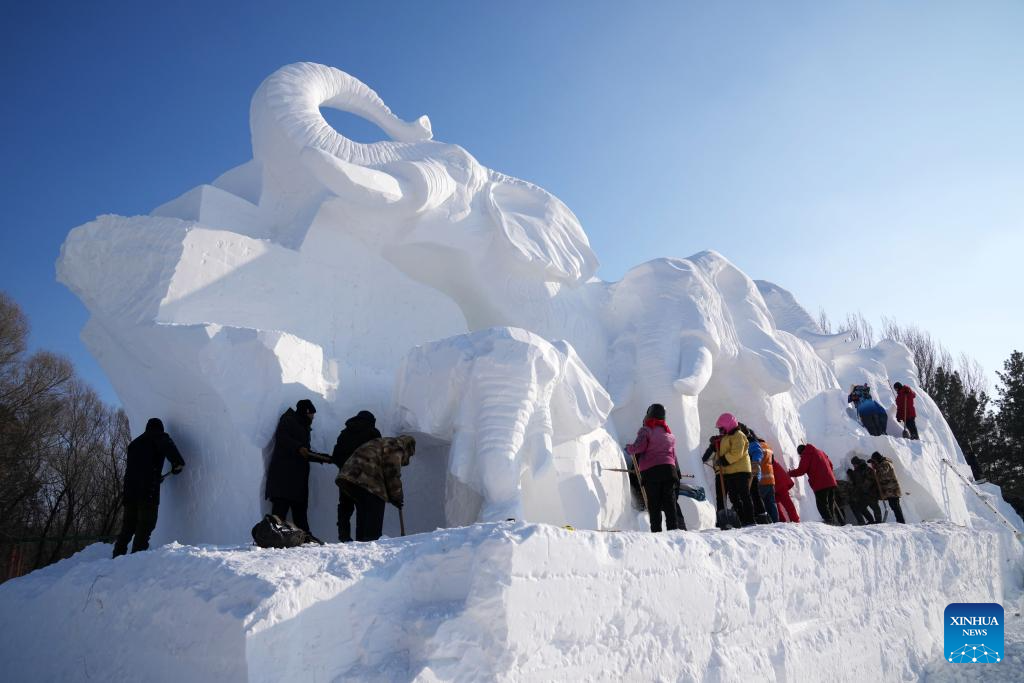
<point x="458" y="304"/>
<point x="515" y="602"/>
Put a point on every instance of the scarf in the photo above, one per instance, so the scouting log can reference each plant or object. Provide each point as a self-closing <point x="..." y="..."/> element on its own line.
<point x="650" y="422"/>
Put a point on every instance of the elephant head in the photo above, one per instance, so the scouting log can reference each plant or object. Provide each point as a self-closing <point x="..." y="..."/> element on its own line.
<point x="506" y="400"/>
<point x="676" y="326"/>
<point x="422" y="200"/>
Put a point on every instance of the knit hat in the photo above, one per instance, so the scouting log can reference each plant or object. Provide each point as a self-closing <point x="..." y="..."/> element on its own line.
<point x="897" y="386"/>
<point x="362" y="417"/>
<point x="876" y="457"/>
<point x="656" y="411"/>
<point x="800" y="449"/>
<point x="154" y="426"/>
<point x="305" y="406"/>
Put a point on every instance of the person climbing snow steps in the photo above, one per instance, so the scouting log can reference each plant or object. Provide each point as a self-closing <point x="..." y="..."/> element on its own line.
<point x="905" y="411"/>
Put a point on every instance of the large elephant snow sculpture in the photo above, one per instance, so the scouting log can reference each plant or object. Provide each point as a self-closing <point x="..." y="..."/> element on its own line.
<point x="525" y="419"/>
<point x="313" y="268"/>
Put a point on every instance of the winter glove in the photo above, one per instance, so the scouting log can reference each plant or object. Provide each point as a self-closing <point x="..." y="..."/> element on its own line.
<point x="399" y="504"/>
<point x="177" y="469"/>
<point x="304" y="452"/>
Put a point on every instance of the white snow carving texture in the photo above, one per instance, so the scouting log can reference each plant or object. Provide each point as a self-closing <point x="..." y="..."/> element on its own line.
<point x="326" y="268"/>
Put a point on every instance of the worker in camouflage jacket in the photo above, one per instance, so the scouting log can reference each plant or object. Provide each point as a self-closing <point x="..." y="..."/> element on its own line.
<point x="888" y="484"/>
<point x="371" y="478"/>
<point x="865" y="491"/>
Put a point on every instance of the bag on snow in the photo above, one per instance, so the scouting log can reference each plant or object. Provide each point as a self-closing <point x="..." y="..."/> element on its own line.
<point x="695" y="492"/>
<point x="271" y="532"/>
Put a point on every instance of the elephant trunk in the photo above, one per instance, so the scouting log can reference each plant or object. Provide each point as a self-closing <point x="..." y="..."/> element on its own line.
<point x="501" y="429"/>
<point x="285" y="116"/>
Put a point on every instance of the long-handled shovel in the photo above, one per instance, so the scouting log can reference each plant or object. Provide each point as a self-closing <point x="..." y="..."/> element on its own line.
<point x="640" y="482"/>
<point x="401" y="520"/>
<point x="600" y="469"/>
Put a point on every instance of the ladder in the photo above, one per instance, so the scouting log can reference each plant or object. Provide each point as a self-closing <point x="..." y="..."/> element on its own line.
<point x="1017" y="533"/>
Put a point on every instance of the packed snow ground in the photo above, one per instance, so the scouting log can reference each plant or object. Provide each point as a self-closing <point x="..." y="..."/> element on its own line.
<point x="513" y="602"/>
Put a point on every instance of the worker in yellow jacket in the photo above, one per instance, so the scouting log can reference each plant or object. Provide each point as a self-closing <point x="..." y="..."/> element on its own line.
<point x="734" y="459"/>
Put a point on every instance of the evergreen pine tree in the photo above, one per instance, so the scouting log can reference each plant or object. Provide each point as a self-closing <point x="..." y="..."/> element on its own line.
<point x="1010" y="424"/>
<point x="968" y="416"/>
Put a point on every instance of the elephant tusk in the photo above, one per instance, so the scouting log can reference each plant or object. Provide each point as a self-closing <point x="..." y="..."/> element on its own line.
<point x="696" y="362"/>
<point x="358" y="184"/>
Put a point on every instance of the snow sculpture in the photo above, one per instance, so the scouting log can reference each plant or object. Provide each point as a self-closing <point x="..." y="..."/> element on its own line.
<point x="524" y="419"/>
<point x="313" y="269"/>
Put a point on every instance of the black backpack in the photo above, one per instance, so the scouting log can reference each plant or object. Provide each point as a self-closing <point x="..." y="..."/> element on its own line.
<point x="271" y="532"/>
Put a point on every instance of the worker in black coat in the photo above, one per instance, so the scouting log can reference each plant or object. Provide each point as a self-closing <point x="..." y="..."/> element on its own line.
<point x="288" y="473"/>
<point x="142" y="477"/>
<point x="359" y="429"/>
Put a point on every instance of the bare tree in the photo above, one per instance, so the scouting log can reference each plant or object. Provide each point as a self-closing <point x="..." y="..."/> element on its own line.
<point x="928" y="354"/>
<point x="62" y="452"/>
<point x="973" y="375"/>
<point x="823" y="322"/>
<point x="858" y="324"/>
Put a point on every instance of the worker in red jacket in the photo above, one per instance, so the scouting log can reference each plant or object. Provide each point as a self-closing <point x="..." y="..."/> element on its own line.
<point x="818" y="468"/>
<point x="905" y="411"/>
<point x="783" y="483"/>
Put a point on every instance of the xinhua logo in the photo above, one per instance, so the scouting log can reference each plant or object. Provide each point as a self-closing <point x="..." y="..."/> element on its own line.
<point x="973" y="632"/>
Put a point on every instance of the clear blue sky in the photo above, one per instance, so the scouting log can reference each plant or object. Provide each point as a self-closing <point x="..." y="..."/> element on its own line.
<point x="865" y="155"/>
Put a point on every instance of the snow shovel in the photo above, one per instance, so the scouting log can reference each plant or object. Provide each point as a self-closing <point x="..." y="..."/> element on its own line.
<point x="640" y="481"/>
<point x="726" y="518"/>
<point x="320" y="458"/>
<point x="165" y="475"/>
<point x="401" y="520"/>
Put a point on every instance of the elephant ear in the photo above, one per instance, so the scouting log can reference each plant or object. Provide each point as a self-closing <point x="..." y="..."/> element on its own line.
<point x="579" y="404"/>
<point x="541" y="229"/>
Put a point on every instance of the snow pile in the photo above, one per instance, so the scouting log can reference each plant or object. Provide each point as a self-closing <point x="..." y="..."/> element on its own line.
<point x="511" y="602"/>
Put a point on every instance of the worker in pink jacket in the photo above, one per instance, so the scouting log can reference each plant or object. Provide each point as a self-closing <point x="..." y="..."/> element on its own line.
<point x="655" y="452"/>
<point x="818" y="468"/>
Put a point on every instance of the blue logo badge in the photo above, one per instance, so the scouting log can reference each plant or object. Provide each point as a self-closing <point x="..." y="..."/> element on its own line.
<point x="973" y="632"/>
